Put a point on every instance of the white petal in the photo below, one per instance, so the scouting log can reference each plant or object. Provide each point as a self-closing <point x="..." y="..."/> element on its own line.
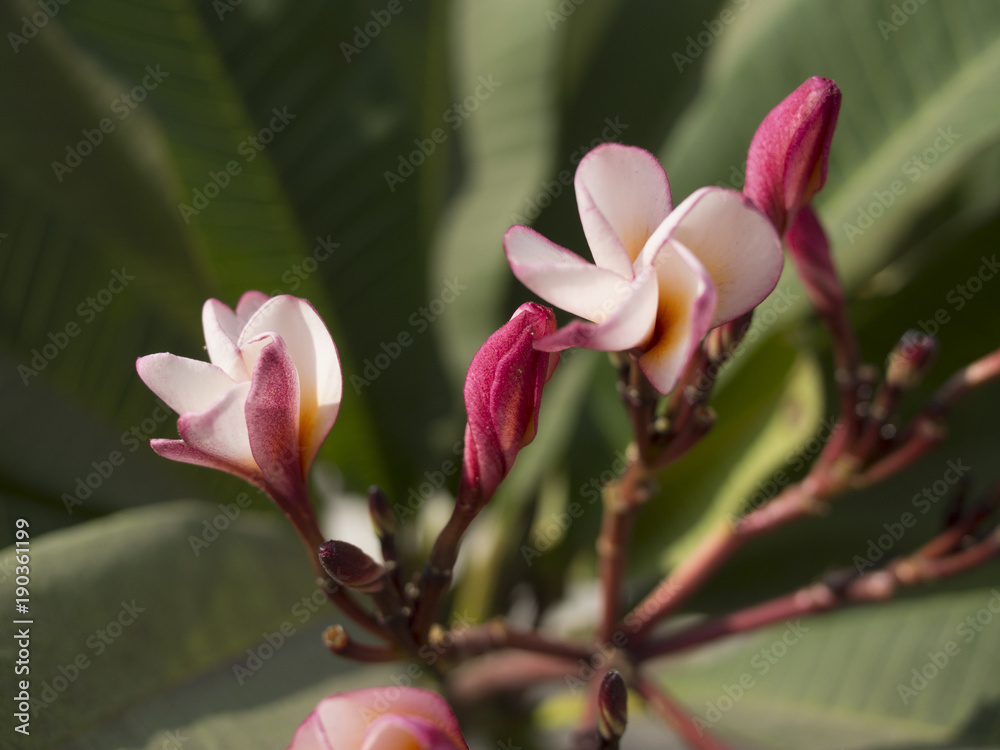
<point x="628" y="326"/>
<point x="222" y="330"/>
<point x="563" y="278"/>
<point x="250" y="303"/>
<point x="735" y="243"/>
<point x="221" y="430"/>
<point x="684" y="313"/>
<point x="623" y="196"/>
<point x="315" y="356"/>
<point x="186" y="385"/>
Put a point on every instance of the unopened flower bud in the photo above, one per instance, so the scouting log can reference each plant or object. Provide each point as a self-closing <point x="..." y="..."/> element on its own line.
<point x="351" y="567"/>
<point x="910" y="360"/>
<point x="809" y="249"/>
<point x="612" y="708"/>
<point x="503" y="393"/>
<point x="787" y="161"/>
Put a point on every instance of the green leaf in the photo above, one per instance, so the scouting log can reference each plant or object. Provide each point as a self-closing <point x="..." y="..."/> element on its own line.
<point x="846" y="680"/>
<point x="151" y="597"/>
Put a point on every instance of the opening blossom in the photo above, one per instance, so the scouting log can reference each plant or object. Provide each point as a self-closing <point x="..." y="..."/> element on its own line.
<point x="662" y="278"/>
<point x="261" y="408"/>
<point x="413" y="719"/>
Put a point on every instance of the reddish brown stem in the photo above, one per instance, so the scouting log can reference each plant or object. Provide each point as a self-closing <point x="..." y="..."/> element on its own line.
<point x="676" y="715"/>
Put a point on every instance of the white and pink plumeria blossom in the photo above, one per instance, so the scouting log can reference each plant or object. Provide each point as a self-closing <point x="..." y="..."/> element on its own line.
<point x="261" y="408"/>
<point x="661" y="278"/>
<point x="380" y="719"/>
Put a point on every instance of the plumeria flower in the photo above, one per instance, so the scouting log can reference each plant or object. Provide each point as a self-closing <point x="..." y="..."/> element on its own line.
<point x="380" y="719"/>
<point x="261" y="408"/>
<point x="663" y="278"/>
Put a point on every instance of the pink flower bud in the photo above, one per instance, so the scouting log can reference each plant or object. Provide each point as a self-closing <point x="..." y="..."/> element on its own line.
<point x="786" y="164"/>
<point x="809" y="249"/>
<point x="503" y="392"/>
<point x="380" y="719"/>
<point x="910" y="360"/>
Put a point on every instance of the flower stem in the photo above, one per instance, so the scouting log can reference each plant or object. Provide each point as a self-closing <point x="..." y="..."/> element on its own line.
<point x="676" y="715"/>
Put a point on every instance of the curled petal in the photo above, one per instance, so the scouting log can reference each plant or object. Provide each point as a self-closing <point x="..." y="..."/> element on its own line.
<point x="250" y="303"/>
<point x="183" y="384"/>
<point x="561" y="277"/>
<point x="684" y="315"/>
<point x="623" y="195"/>
<point x="221" y="431"/>
<point x="272" y="420"/>
<point x="734" y="242"/>
<point x="315" y="356"/>
<point x="629" y="324"/>
<point x="178" y="450"/>
<point x="222" y="330"/>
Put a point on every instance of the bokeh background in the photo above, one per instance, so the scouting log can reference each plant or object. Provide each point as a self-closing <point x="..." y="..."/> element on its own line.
<point x="369" y="156"/>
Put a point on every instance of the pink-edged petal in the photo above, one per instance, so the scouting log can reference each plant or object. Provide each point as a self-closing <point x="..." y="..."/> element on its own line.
<point x="272" y="418"/>
<point x="312" y="349"/>
<point x="178" y="450"/>
<point x="222" y="331"/>
<point x="684" y="314"/>
<point x="249" y="304"/>
<point x="185" y="385"/>
<point x="396" y="732"/>
<point x="563" y="278"/>
<point x="628" y="324"/>
<point x="221" y="430"/>
<point x="623" y="196"/>
<point x="736" y="244"/>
